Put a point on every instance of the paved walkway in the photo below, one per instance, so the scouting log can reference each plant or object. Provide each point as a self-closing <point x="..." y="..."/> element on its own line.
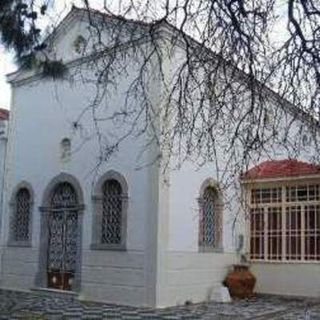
<point x="14" y="305"/>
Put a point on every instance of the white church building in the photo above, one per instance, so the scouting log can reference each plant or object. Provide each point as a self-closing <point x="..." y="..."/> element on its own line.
<point x="135" y="237"/>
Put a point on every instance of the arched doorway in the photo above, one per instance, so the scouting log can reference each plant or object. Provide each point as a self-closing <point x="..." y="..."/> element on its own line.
<point x="62" y="237"/>
<point x="61" y="233"/>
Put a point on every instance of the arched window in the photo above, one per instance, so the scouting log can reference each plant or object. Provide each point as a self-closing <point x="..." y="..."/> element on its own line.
<point x="110" y="205"/>
<point x="65" y="152"/>
<point x="21" y="217"/>
<point x="112" y="212"/>
<point x="210" y="224"/>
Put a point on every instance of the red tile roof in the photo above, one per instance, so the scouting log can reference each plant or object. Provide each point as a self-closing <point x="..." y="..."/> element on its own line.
<point x="4" y="114"/>
<point x="281" y="168"/>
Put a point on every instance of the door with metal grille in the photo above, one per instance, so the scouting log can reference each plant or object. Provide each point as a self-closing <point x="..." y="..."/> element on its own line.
<point x="62" y="237"/>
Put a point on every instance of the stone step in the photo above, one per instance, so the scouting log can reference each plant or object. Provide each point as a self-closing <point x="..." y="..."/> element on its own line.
<point x="56" y="293"/>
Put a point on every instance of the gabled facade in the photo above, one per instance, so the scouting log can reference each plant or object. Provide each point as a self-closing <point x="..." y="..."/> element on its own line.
<point x="111" y="232"/>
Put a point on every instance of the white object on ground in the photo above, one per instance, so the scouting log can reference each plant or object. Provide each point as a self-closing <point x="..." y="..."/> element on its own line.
<point x="221" y="294"/>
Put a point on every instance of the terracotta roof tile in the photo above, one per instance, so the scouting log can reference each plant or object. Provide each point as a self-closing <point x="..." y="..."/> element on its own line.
<point x="281" y="168"/>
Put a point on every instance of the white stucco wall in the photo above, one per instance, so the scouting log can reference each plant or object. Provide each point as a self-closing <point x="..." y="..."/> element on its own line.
<point x="43" y="114"/>
<point x="294" y="279"/>
<point x="190" y="275"/>
<point x="185" y="185"/>
<point x="193" y="277"/>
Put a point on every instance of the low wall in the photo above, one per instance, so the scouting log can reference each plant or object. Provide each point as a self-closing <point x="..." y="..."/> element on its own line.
<point x="18" y="268"/>
<point x="294" y="279"/>
<point x="109" y="276"/>
<point x="114" y="277"/>
<point x="193" y="276"/>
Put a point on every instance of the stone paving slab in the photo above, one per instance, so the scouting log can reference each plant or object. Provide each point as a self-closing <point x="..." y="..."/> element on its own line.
<point x="29" y="306"/>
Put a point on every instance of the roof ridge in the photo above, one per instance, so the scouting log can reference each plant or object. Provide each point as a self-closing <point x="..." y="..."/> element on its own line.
<point x="112" y="16"/>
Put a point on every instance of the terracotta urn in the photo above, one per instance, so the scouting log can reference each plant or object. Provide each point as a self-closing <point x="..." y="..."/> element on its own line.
<point x="240" y="282"/>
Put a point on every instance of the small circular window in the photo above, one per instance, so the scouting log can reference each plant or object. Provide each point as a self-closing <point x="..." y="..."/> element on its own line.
<point x="306" y="140"/>
<point x="79" y="44"/>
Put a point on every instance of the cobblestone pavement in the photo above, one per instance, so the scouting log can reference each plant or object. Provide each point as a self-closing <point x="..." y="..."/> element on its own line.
<point x="14" y="305"/>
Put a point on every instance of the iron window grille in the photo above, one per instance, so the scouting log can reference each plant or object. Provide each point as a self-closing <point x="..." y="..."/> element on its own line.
<point x="210" y="224"/>
<point x="110" y="201"/>
<point x="285" y="223"/>
<point x="112" y="213"/>
<point x="21" y="219"/>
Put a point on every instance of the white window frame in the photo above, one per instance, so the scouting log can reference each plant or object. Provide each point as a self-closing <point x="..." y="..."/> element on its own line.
<point x="284" y="204"/>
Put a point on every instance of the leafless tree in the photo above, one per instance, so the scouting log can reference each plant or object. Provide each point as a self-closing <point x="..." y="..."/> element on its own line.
<point x="218" y="99"/>
<point x="245" y="65"/>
